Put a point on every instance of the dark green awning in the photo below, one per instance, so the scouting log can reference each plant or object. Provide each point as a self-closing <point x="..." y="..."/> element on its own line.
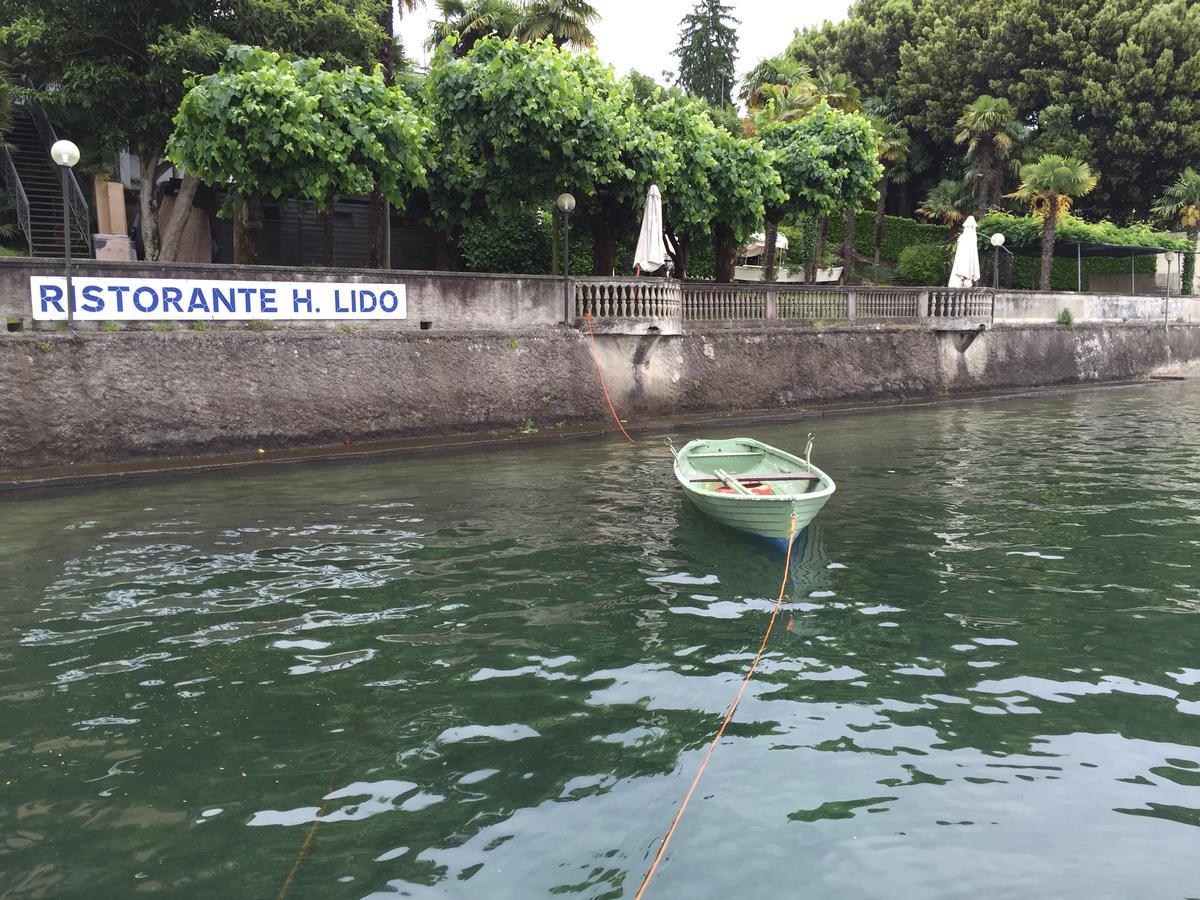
<point x="1076" y="249"/>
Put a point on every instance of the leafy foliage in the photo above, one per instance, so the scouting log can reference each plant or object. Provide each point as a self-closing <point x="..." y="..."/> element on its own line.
<point x="898" y="233"/>
<point x="924" y="264"/>
<point x="1180" y="202"/>
<point x="707" y="51"/>
<point x="564" y="22"/>
<point x="1113" y="82"/>
<point x="469" y="21"/>
<point x="950" y="202"/>
<point x="1026" y="231"/>
<point x="514" y="241"/>
<point x="283" y="128"/>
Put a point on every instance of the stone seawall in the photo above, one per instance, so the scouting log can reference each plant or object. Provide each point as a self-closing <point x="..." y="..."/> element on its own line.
<point x="148" y="395"/>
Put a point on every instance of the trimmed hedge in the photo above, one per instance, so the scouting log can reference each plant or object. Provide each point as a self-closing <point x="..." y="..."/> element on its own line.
<point x="898" y="233"/>
<point x="516" y="241"/>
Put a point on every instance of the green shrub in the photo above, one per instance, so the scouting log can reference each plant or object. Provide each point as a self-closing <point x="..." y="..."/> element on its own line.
<point x="162" y="326"/>
<point x="109" y="326"/>
<point x="199" y="326"/>
<point x="259" y="325"/>
<point x="924" y="264"/>
<point x="515" y="241"/>
<point x="1065" y="318"/>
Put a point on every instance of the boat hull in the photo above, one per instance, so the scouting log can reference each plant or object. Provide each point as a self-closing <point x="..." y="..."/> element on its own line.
<point x="765" y="516"/>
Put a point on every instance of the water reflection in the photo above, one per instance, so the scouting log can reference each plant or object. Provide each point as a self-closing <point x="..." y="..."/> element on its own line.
<point x="499" y="685"/>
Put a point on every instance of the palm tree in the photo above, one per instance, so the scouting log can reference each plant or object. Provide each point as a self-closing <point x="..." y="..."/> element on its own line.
<point x="472" y="20"/>
<point x="777" y="70"/>
<point x="992" y="131"/>
<point x="949" y="202"/>
<point x="836" y="89"/>
<point x="1181" y="203"/>
<point x="894" y="146"/>
<point x="1048" y="186"/>
<point x="563" y="21"/>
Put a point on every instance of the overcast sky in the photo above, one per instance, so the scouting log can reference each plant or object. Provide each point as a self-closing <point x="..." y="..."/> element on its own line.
<point x="640" y="34"/>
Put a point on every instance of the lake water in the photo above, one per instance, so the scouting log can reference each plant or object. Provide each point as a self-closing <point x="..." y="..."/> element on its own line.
<point x="494" y="674"/>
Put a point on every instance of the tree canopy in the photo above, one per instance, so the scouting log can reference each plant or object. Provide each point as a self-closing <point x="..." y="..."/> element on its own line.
<point x="707" y="51"/>
<point x="289" y="128"/>
<point x="1113" y="82"/>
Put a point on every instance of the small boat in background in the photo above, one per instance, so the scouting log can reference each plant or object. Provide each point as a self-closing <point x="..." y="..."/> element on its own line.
<point x="752" y="486"/>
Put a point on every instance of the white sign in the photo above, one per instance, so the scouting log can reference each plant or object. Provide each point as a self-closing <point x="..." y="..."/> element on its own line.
<point x="187" y="299"/>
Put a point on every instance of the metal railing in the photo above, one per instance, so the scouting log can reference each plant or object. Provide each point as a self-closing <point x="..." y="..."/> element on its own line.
<point x="81" y="219"/>
<point x="16" y="191"/>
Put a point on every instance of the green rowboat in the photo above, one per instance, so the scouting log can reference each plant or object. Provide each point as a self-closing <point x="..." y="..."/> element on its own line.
<point x="752" y="486"/>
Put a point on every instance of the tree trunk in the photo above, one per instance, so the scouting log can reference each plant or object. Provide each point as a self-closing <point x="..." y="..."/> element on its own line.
<point x="848" y="248"/>
<point x="379" y="213"/>
<point x="447" y="252"/>
<point x="819" y="250"/>
<point x="726" y="252"/>
<point x="769" y="238"/>
<point x="169" y="251"/>
<point x="328" y="231"/>
<point x="148" y="204"/>
<point x="679" y="247"/>
<point x="985" y="175"/>
<point x="1049" y="226"/>
<point x="880" y="210"/>
<point x="1187" y="286"/>
<point x="604" y="245"/>
<point x="247" y="230"/>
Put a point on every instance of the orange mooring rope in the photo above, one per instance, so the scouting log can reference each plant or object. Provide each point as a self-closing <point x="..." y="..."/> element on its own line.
<point x="603" y="386"/>
<point x="787" y="567"/>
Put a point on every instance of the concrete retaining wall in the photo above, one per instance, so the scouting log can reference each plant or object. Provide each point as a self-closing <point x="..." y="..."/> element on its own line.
<point x="1036" y="306"/>
<point x="141" y="395"/>
<point x="450" y="301"/>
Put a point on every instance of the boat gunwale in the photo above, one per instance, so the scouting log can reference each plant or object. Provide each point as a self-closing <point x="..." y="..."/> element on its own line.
<point x="821" y="493"/>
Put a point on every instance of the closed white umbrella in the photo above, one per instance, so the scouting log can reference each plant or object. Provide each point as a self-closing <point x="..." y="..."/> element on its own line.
<point x="965" y="271"/>
<point x="651" y="255"/>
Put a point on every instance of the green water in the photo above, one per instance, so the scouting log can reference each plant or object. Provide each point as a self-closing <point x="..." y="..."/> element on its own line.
<point x="494" y="674"/>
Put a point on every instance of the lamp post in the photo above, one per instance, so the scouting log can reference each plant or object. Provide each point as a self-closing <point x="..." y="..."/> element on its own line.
<point x="566" y="205"/>
<point x="66" y="154"/>
<point x="997" y="243"/>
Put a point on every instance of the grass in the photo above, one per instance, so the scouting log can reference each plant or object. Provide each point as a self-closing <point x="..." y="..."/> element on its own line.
<point x="259" y="325"/>
<point x="512" y="343"/>
<point x="44" y="346"/>
<point x="162" y="326"/>
<point x="199" y="326"/>
<point x="1066" y="319"/>
<point x="528" y="427"/>
<point x="109" y="327"/>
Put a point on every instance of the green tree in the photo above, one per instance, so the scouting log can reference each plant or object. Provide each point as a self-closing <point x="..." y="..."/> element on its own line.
<point x="118" y="68"/>
<point x="992" y="132"/>
<point x="471" y="20"/>
<point x="744" y="185"/>
<point x="894" y="146"/>
<point x="272" y="127"/>
<point x="707" y="51"/>
<point x="778" y="70"/>
<point x="826" y="162"/>
<point x="1180" y="203"/>
<point x="1049" y="186"/>
<point x="519" y="123"/>
<point x="565" y="22"/>
<point x="1113" y="82"/>
<point x="950" y="202"/>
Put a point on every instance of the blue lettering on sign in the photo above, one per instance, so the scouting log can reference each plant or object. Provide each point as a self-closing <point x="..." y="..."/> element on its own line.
<point x="384" y="305"/>
<point x="267" y="300"/>
<point x="246" y="293"/>
<point x="199" y="302"/>
<point x="120" y="290"/>
<point x="337" y="301"/>
<point x="51" y="294"/>
<point x="149" y="306"/>
<point x="171" y="296"/>
<point x="366" y="301"/>
<point x="298" y="299"/>
<point x="91" y="295"/>
<point x="223" y="300"/>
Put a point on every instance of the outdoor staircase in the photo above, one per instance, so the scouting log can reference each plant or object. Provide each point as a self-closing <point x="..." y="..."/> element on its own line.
<point x="40" y="210"/>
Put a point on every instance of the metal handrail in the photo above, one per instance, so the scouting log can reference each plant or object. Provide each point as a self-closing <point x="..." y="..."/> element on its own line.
<point x="16" y="190"/>
<point x="81" y="218"/>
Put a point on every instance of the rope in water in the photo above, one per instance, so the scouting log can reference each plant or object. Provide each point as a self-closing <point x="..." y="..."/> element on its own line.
<point x="309" y="839"/>
<point x="603" y="386"/>
<point x="787" y="567"/>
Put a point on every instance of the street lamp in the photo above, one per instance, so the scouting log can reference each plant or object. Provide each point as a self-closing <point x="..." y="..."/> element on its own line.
<point x="66" y="154"/>
<point x="566" y="205"/>
<point x="997" y="243"/>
